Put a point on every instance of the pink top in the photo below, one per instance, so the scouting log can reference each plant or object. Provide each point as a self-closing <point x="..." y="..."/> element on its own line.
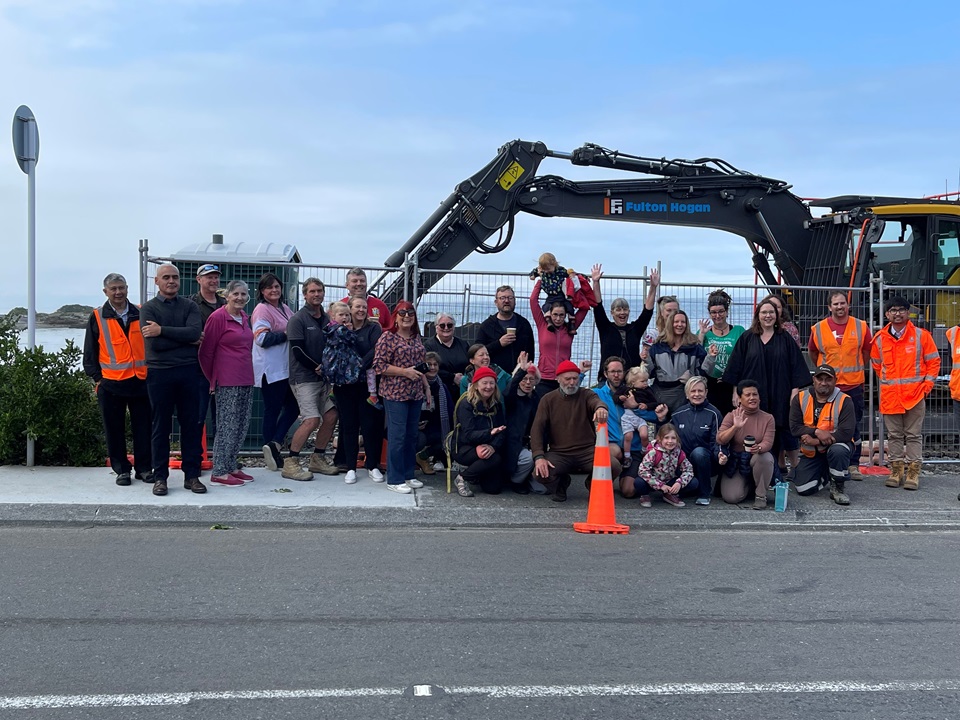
<point x="226" y="350"/>
<point x="556" y="344"/>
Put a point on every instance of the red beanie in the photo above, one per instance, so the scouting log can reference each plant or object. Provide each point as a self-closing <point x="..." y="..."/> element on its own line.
<point x="484" y="372"/>
<point x="567" y="366"/>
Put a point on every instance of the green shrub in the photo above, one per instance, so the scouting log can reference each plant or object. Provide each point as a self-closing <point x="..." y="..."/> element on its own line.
<point x="48" y="397"/>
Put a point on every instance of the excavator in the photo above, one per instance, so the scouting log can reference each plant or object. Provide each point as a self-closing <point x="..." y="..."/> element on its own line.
<point x="914" y="241"/>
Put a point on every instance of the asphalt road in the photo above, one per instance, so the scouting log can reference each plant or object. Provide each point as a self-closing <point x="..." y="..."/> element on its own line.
<point x="404" y="623"/>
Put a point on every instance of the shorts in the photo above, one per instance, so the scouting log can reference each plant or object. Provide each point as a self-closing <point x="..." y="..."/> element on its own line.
<point x="313" y="398"/>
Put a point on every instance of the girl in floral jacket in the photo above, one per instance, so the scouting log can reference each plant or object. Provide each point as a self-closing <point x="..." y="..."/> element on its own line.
<point x="666" y="468"/>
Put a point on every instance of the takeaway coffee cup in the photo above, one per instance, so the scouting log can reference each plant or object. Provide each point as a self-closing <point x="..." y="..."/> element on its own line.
<point x="748" y="442"/>
<point x="511" y="331"/>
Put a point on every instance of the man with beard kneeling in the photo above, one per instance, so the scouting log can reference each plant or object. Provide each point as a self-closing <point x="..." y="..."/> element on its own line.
<point x="563" y="435"/>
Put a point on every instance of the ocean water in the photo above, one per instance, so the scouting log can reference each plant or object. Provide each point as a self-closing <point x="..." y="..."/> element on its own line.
<point x="55" y="339"/>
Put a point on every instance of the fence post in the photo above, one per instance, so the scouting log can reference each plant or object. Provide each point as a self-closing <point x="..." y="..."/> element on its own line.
<point x="406" y="277"/>
<point x="880" y="427"/>
<point x="466" y="304"/>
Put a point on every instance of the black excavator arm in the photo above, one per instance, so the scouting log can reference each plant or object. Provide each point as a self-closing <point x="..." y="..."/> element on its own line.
<point x="708" y="193"/>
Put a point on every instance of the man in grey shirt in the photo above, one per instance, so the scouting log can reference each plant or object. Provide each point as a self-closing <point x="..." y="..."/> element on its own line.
<point x="310" y="387"/>
<point x="171" y="327"/>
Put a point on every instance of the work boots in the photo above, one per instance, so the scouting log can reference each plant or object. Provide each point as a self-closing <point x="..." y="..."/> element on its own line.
<point x="854" y="471"/>
<point x="837" y="494"/>
<point x="896" y="474"/>
<point x="293" y="471"/>
<point x="913" y="476"/>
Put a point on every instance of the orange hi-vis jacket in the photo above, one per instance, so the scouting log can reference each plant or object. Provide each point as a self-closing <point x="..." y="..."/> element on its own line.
<point x="906" y="367"/>
<point x="953" y="335"/>
<point x="121" y="355"/>
<point x="828" y="420"/>
<point x="846" y="357"/>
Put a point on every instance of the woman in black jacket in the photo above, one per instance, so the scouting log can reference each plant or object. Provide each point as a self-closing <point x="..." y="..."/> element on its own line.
<point x="769" y="355"/>
<point x="478" y="436"/>
<point x="620" y="337"/>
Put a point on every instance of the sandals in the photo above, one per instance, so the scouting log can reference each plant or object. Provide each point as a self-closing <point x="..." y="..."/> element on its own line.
<point x="462" y="489"/>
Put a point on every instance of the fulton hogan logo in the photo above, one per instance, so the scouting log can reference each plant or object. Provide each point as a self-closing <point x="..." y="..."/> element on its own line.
<point x="616" y="206"/>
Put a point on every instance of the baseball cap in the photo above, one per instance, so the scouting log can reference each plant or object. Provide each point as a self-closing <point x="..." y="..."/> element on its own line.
<point x="207" y="269"/>
<point x="825" y="370"/>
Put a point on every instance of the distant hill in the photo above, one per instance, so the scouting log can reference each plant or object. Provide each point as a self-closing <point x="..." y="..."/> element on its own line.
<point x="67" y="316"/>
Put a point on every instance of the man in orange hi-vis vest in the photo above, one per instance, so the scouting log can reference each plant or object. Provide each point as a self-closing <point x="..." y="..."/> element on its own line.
<point x="843" y="342"/>
<point x="907" y="362"/>
<point x="113" y="355"/>
<point x="823" y="420"/>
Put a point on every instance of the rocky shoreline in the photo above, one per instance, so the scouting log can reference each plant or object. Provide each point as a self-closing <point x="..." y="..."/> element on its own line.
<point x="68" y="316"/>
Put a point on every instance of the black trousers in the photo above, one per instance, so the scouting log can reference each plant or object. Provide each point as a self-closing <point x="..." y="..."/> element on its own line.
<point x="175" y="389"/>
<point x="358" y="416"/>
<point x="487" y="472"/>
<point x="113" y="410"/>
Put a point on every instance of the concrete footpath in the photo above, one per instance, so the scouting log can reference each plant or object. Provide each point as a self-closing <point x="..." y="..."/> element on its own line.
<point x="90" y="497"/>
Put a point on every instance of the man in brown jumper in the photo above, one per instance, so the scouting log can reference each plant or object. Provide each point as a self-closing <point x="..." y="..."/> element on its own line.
<point x="563" y="435"/>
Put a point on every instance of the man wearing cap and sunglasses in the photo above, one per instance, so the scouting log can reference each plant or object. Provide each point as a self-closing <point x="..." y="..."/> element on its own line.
<point x="207" y="299"/>
<point x="907" y="362"/>
<point x="824" y="421"/>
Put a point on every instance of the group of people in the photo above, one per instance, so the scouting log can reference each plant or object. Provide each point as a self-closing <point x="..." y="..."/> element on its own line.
<point x="724" y="412"/>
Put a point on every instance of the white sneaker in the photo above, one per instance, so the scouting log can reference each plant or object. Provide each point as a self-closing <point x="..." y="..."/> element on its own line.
<point x="376" y="475"/>
<point x="414" y="483"/>
<point x="351" y="477"/>
<point x="438" y="466"/>
<point x="402" y="488"/>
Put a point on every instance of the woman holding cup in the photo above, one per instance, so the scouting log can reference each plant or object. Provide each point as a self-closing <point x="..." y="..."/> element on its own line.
<point x="746" y="437"/>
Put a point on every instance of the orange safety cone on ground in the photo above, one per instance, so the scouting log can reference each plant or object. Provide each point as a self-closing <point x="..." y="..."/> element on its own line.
<point x="601" y="518"/>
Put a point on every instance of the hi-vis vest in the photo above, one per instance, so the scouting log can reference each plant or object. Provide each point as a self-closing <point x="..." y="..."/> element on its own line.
<point x="907" y="367"/>
<point x="829" y="417"/>
<point x="953" y="335"/>
<point x="121" y="356"/>
<point x="847" y="356"/>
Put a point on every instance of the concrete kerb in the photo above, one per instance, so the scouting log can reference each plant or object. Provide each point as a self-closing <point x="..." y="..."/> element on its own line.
<point x="88" y="497"/>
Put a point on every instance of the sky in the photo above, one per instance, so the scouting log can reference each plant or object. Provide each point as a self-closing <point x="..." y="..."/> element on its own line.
<point x="340" y="126"/>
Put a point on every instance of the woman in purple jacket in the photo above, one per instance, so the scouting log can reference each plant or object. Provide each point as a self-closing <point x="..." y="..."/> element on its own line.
<point x="226" y="359"/>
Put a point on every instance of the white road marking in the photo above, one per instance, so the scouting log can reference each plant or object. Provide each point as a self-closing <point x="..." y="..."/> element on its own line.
<point x="422" y="691"/>
<point x="37" y="702"/>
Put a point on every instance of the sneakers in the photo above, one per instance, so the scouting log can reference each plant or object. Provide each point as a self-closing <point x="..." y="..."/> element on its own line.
<point x="674" y="500"/>
<point x="123" y="479"/>
<point x="401" y="488"/>
<point x="194" y="485"/>
<point x="226" y="480"/>
<point x="760" y="503"/>
<point x="702" y="501"/>
<point x="351" y="477"/>
<point x="645" y="501"/>
<point x="160" y="487"/>
<point x="319" y="464"/>
<point x="838" y="495"/>
<point x="241" y="475"/>
<point x="376" y="475"/>
<point x="463" y="490"/>
<point x="414" y="483"/>
<point x="426" y="467"/>
<point x="271" y="456"/>
<point x="292" y="470"/>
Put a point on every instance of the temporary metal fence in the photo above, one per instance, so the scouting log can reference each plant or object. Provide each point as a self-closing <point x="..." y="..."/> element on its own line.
<point x="468" y="296"/>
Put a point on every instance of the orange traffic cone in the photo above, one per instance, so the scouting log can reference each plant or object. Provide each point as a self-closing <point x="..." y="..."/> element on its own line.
<point x="205" y="462"/>
<point x="601" y="518"/>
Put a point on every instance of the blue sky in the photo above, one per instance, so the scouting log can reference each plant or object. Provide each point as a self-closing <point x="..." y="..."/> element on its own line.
<point x="339" y="126"/>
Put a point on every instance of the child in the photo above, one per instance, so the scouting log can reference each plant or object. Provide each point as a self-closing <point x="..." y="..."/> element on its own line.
<point x="643" y="419"/>
<point x="436" y="417"/>
<point x="665" y="468"/>
<point x="340" y="361"/>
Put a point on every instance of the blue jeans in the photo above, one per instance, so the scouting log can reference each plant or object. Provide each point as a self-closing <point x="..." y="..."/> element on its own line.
<point x="402" y="420"/>
<point x="703" y="471"/>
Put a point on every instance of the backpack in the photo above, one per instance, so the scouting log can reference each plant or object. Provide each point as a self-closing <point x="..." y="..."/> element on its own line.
<point x="340" y="360"/>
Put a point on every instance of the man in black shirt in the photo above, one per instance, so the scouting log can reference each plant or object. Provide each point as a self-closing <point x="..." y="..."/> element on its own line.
<point x="171" y="327"/>
<point x="505" y="333"/>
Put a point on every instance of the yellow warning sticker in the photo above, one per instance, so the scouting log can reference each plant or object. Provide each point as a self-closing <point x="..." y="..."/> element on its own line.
<point x="510" y="175"/>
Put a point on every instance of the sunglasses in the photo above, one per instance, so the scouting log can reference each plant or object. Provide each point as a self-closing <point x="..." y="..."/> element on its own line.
<point x="445" y="326"/>
<point x="204" y="269"/>
<point x="406" y="313"/>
